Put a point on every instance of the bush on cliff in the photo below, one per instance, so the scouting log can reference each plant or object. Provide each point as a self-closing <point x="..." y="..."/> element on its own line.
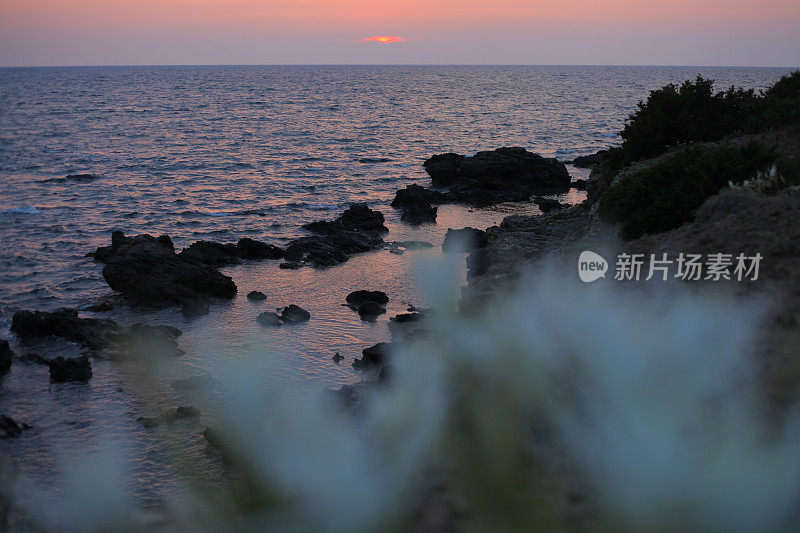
<point x="692" y="112"/>
<point x="666" y="195"/>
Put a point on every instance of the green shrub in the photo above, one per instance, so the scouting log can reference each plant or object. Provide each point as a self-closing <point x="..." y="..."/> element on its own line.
<point x="786" y="87"/>
<point x="692" y="112"/>
<point x="667" y="194"/>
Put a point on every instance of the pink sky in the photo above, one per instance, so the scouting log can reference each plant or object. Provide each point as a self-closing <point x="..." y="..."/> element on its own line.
<point x="672" y="32"/>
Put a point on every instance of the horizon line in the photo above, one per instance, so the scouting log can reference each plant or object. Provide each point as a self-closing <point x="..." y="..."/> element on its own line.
<point x="391" y="65"/>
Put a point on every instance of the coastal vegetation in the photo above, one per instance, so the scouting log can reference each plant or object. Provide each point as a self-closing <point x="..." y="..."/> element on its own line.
<point x="688" y="122"/>
<point x="675" y="115"/>
<point x="666" y="195"/>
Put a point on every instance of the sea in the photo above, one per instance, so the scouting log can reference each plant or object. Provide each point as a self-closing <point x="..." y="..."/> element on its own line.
<point x="223" y="152"/>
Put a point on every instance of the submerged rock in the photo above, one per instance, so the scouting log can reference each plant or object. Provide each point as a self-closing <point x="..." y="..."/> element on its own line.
<point x="464" y="240"/>
<point x="268" y="318"/>
<point x="337" y="358"/>
<point x="374" y="356"/>
<point x="9" y="428"/>
<point x="414" y="202"/>
<point x="294" y="314"/>
<point x="147" y="272"/>
<point x="502" y="175"/>
<point x="256" y="296"/>
<point x="63" y="369"/>
<point x="5" y="357"/>
<point x="194" y="308"/>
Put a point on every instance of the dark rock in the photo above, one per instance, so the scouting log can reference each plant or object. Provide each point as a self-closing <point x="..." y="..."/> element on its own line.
<point x="294" y="314"/>
<point x="9" y="428"/>
<point x="251" y="249"/>
<point x="195" y="307"/>
<point x="443" y="168"/>
<point x="147" y="272"/>
<point x="5" y="357"/>
<point x="502" y="175"/>
<point x="216" y="254"/>
<point x="356" y="298"/>
<point x="548" y="204"/>
<point x="143" y="340"/>
<point x="464" y="240"/>
<point x="62" y="369"/>
<point x="291" y="265"/>
<point x="368" y="304"/>
<point x="404" y="318"/>
<point x="168" y="417"/>
<point x="591" y="160"/>
<point x="357" y="230"/>
<point x="370" y="310"/>
<point x="256" y="295"/>
<point x="33" y="358"/>
<point x="90" y="332"/>
<point x="337" y="358"/>
<point x="211" y="253"/>
<point x="579" y="184"/>
<point x="358" y="217"/>
<point x="415" y="203"/>
<point x="269" y="319"/>
<point x="376" y="355"/>
<point x="214" y="438"/>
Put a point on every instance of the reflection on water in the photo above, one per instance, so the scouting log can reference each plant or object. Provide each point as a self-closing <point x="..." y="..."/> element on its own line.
<point x="221" y="153"/>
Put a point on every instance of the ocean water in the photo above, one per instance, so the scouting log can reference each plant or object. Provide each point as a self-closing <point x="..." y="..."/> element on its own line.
<point x="219" y="153"/>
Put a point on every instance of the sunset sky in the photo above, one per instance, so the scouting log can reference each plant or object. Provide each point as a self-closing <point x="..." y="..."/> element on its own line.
<point x="637" y="32"/>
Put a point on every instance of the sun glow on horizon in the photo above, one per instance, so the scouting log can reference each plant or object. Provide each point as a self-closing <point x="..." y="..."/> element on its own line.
<point x="384" y="39"/>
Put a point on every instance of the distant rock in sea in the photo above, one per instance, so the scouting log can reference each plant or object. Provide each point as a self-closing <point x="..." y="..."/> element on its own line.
<point x="502" y="175"/>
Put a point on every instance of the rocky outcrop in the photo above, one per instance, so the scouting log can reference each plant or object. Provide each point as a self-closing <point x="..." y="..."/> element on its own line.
<point x="502" y="175"/>
<point x="368" y="304"/>
<point x="6" y="355"/>
<point x="463" y="240"/>
<point x="148" y="272"/>
<point x="548" y="204"/>
<point x="67" y="369"/>
<point x="256" y="296"/>
<point x="93" y="333"/>
<point x="294" y="314"/>
<point x="99" y="336"/>
<point x="358" y="229"/>
<point x="291" y="314"/>
<point x="414" y="203"/>
<point x="216" y="254"/>
<point x="591" y="160"/>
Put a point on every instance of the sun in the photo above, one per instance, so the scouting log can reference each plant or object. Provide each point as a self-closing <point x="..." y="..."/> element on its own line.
<point x="384" y="39"/>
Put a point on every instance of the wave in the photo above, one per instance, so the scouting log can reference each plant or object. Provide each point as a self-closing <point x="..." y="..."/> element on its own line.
<point x="23" y="210"/>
